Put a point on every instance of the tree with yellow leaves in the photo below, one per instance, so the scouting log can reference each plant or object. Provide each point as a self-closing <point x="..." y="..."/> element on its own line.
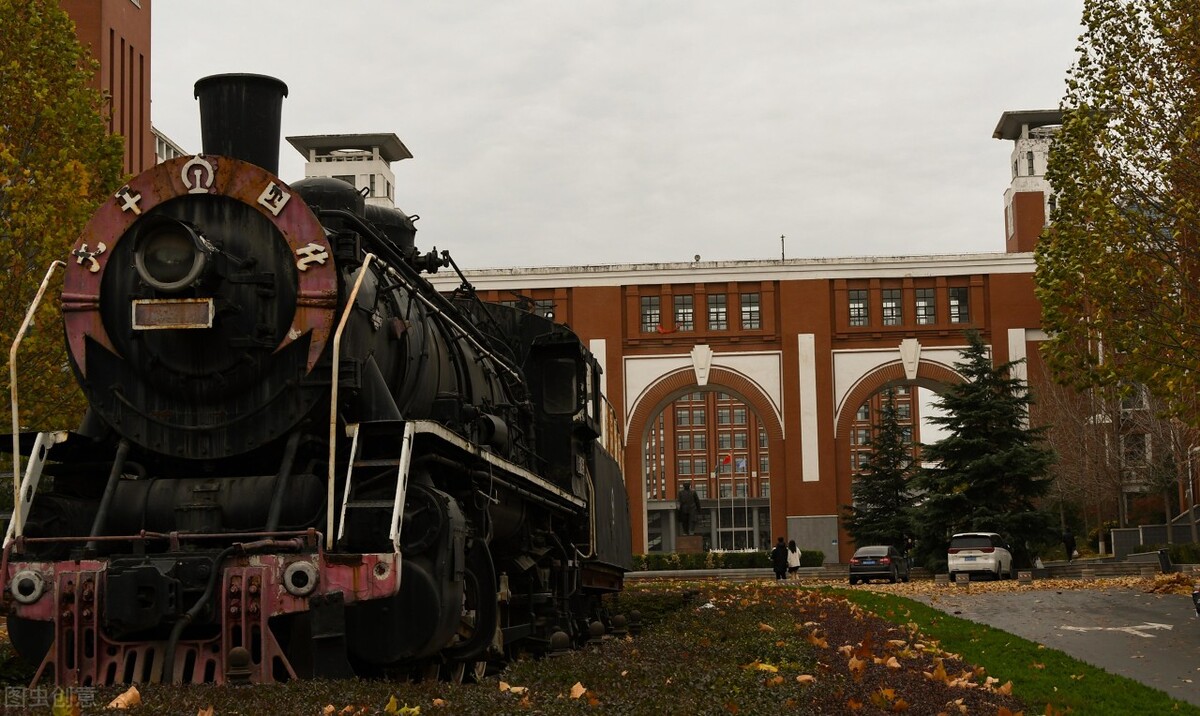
<point x="57" y="164"/>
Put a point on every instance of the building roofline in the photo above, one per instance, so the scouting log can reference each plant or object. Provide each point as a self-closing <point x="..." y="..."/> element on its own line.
<point x="1009" y="126"/>
<point x="743" y="270"/>
<point x="390" y="146"/>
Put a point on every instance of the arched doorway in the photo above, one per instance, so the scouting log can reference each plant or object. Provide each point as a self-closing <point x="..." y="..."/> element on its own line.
<point x="725" y="440"/>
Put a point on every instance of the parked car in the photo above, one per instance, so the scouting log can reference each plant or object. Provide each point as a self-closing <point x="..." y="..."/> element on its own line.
<point x="983" y="553"/>
<point x="878" y="562"/>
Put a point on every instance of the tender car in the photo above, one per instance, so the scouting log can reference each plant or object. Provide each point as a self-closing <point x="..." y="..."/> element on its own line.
<point x="982" y="553"/>
<point x="878" y="562"/>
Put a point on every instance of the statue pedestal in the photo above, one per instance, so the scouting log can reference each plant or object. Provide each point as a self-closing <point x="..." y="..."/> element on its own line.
<point x="689" y="544"/>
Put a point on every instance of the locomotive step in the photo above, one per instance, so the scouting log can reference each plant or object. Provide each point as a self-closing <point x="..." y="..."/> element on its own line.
<point x="377" y="463"/>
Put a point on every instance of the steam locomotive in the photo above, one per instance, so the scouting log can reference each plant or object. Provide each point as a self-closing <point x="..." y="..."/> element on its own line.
<point x="299" y="459"/>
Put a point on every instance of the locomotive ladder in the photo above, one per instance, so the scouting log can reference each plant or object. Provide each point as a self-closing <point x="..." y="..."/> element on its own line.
<point x="358" y="433"/>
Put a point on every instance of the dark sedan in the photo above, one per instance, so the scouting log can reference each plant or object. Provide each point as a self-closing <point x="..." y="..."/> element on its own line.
<point x="878" y="562"/>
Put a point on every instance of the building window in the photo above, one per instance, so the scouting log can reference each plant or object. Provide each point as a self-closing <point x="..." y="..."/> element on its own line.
<point x="724" y="441"/>
<point x="740" y="490"/>
<point x="700" y="466"/>
<point x="959" y="310"/>
<point x="861" y="436"/>
<point x="739" y="416"/>
<point x="725" y="490"/>
<point x="372" y="178"/>
<point x="764" y="465"/>
<point x="906" y="434"/>
<point x="684" y="466"/>
<point x="893" y="313"/>
<point x="724" y="416"/>
<point x="651" y="314"/>
<point x="762" y="438"/>
<point x="701" y="489"/>
<point x="684" y="314"/>
<point x="717" y="315"/>
<point x="683" y="442"/>
<point x="1134" y="397"/>
<point x="864" y="413"/>
<point x="764" y="488"/>
<point x="751" y="312"/>
<point x="348" y="178"/>
<point x="741" y="440"/>
<point x="1133" y="449"/>
<point x="1029" y="159"/>
<point x="544" y="307"/>
<point x="858" y="307"/>
<point x="740" y="464"/>
<point x="698" y="416"/>
<point x="683" y="416"/>
<point x="903" y="411"/>
<point x="926" y="308"/>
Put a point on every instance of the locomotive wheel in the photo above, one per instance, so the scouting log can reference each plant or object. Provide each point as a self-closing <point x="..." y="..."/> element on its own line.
<point x="480" y="617"/>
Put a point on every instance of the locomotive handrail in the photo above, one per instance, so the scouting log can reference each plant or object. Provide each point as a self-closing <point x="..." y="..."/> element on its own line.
<point x="331" y="493"/>
<point x="12" y="385"/>
<point x="410" y="429"/>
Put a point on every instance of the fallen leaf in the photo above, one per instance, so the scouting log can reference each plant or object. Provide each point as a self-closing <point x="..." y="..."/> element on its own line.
<point x="328" y="709"/>
<point x="857" y="667"/>
<point x="439" y="702"/>
<point x="578" y="690"/>
<point x="893" y="663"/>
<point x="392" y="705"/>
<point x="765" y="627"/>
<point x="128" y="699"/>
<point x="205" y="712"/>
<point x="806" y="678"/>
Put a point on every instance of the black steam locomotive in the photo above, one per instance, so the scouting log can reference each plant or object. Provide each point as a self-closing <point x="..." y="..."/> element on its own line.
<point x="299" y="459"/>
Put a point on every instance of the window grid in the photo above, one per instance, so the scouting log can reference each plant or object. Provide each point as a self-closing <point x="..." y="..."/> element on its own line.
<point x="751" y="312"/>
<point x="717" y="313"/>
<point x="959" y="305"/>
<point x="893" y="311"/>
<point x="651" y="314"/>
<point x="858" y="307"/>
<point x="684" y="313"/>
<point x="926" y="308"/>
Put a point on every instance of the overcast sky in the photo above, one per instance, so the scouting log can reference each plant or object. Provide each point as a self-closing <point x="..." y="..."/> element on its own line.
<point x="594" y="132"/>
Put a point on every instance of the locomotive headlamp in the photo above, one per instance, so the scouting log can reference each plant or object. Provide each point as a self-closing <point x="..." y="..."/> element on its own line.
<point x="171" y="255"/>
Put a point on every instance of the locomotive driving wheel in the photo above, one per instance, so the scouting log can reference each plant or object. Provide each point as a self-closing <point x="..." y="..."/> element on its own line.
<point x="479" y="622"/>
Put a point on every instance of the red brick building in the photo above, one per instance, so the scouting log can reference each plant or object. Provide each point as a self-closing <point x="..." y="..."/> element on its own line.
<point x="782" y="362"/>
<point x="118" y="34"/>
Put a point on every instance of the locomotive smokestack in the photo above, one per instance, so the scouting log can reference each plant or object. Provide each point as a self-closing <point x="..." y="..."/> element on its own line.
<point x="239" y="117"/>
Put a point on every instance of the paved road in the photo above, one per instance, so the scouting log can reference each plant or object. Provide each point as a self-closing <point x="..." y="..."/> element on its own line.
<point x="1152" y="638"/>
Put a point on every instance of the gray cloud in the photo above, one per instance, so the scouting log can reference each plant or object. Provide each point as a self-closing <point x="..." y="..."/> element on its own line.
<point x="561" y="133"/>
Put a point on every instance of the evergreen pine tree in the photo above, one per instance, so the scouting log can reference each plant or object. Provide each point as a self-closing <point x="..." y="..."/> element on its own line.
<point x="988" y="471"/>
<point x="881" y="493"/>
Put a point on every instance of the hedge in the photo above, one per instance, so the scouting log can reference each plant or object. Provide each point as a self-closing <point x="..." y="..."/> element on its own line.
<point x="1182" y="553"/>
<point x="659" y="561"/>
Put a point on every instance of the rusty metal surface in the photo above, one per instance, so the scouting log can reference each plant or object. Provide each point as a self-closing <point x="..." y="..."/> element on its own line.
<point x="316" y="288"/>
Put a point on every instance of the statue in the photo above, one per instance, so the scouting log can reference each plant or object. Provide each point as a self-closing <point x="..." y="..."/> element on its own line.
<point x="689" y="507"/>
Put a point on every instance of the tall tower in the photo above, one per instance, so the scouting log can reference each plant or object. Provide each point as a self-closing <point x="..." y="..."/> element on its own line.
<point x="362" y="160"/>
<point x="1028" y="200"/>
<point x="118" y="34"/>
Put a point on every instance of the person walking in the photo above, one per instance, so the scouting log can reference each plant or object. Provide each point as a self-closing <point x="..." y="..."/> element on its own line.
<point x="793" y="559"/>
<point x="1068" y="539"/>
<point x="779" y="559"/>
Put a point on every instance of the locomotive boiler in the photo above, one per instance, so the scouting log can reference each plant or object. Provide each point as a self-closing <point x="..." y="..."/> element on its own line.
<point x="299" y="459"/>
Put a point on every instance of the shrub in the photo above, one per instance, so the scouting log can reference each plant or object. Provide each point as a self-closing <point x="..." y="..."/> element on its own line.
<point x="1182" y="553"/>
<point x="659" y="561"/>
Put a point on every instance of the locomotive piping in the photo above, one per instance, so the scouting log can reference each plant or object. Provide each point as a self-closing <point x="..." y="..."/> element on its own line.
<point x="110" y="489"/>
<point x="168" y="669"/>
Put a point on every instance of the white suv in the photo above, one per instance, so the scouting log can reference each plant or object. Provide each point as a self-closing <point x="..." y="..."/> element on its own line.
<point x="979" y="552"/>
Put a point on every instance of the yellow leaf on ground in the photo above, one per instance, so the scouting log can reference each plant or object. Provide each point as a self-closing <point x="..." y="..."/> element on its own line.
<point x="893" y="663"/>
<point x="765" y="627"/>
<point x="578" y="690"/>
<point x="130" y="698"/>
<point x="857" y="667"/>
<point x="392" y="705"/>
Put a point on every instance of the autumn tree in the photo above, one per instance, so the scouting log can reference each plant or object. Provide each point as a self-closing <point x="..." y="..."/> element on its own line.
<point x="989" y="470"/>
<point x="1118" y="271"/>
<point x="880" y="490"/>
<point x="57" y="164"/>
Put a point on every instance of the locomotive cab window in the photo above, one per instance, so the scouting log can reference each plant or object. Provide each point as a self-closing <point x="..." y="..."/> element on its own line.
<point x="560" y="387"/>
